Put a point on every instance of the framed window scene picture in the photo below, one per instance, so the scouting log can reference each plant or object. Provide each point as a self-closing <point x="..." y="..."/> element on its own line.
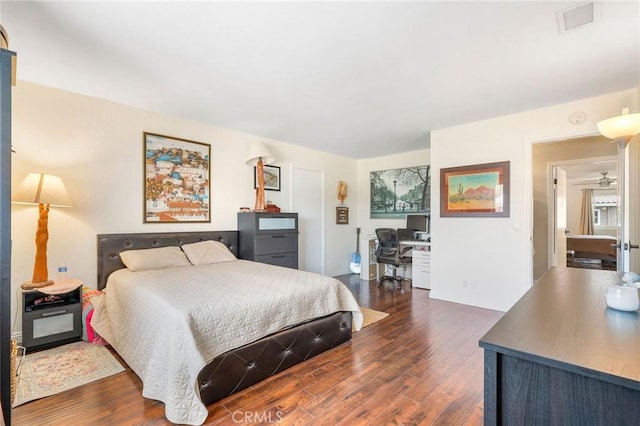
<point x="176" y="180"/>
<point x="398" y="192"/>
<point x="479" y="190"/>
<point x="271" y="178"/>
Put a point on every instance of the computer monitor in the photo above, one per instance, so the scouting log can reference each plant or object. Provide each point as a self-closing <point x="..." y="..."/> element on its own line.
<point x="405" y="234"/>
<point x="419" y="222"/>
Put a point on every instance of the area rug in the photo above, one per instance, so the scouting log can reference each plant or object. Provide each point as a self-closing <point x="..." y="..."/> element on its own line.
<point x="370" y="316"/>
<point x="59" y="369"/>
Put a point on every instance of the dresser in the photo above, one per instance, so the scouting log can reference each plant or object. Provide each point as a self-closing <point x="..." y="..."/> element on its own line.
<point x="269" y="238"/>
<point x="559" y="356"/>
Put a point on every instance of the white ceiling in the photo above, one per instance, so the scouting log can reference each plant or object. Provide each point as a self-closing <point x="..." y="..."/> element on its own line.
<point x="590" y="171"/>
<point x="359" y="79"/>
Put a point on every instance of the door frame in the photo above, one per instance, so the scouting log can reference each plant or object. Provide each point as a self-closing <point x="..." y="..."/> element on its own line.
<point x="553" y="210"/>
<point x="551" y="196"/>
<point x="301" y="238"/>
<point x="528" y="186"/>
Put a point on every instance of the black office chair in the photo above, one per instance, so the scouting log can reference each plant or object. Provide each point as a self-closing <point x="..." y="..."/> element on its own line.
<point x="389" y="253"/>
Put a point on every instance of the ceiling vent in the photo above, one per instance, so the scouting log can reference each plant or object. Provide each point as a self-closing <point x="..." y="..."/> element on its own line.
<point x="575" y="17"/>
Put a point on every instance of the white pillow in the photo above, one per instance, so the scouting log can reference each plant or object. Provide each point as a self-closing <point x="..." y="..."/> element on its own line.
<point x="155" y="258"/>
<point x="207" y="252"/>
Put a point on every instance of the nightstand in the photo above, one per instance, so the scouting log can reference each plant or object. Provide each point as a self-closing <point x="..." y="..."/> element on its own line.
<point x="51" y="320"/>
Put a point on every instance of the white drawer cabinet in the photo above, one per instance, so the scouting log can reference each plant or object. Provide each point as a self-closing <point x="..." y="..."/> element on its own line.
<point x="421" y="266"/>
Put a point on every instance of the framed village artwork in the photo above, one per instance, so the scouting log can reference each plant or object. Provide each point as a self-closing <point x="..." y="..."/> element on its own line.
<point x="397" y="192"/>
<point x="176" y="180"/>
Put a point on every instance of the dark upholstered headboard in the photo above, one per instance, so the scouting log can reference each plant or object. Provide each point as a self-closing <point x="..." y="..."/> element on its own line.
<point x="110" y="246"/>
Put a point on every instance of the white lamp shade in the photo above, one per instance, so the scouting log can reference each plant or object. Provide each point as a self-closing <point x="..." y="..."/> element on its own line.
<point x="39" y="188"/>
<point x="259" y="150"/>
<point x="623" y="126"/>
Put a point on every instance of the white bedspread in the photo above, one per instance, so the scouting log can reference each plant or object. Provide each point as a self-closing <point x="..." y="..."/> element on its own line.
<point x="168" y="324"/>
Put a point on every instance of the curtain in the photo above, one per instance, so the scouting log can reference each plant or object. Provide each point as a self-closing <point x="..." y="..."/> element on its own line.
<point x="586" y="212"/>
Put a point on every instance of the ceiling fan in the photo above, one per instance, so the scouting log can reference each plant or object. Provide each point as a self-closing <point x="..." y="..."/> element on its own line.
<point x="604" y="182"/>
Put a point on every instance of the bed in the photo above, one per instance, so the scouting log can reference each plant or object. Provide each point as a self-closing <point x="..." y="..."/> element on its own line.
<point x="195" y="334"/>
<point x="598" y="247"/>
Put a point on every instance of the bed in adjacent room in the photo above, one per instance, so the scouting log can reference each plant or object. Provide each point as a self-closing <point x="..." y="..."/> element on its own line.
<point x="196" y="324"/>
<point x="589" y="250"/>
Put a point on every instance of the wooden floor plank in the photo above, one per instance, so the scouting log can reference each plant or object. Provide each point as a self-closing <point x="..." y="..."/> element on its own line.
<point x="419" y="366"/>
<point x="396" y="411"/>
<point x="367" y="410"/>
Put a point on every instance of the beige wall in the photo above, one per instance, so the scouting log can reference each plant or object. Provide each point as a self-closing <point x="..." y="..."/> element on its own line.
<point x="543" y="154"/>
<point x="95" y="146"/>
<point x="488" y="262"/>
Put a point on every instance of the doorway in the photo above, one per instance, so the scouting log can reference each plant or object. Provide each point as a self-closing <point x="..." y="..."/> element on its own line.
<point x="546" y="154"/>
<point x="583" y="207"/>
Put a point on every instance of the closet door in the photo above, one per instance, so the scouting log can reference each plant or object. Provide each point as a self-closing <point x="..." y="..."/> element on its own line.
<point x="6" y="60"/>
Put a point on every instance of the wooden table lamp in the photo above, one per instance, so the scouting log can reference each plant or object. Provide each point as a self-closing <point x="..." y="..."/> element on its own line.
<point x="45" y="191"/>
<point x="259" y="154"/>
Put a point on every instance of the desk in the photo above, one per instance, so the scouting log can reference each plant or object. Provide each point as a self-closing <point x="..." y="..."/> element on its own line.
<point x="560" y="356"/>
<point x="420" y="263"/>
<point x="369" y="268"/>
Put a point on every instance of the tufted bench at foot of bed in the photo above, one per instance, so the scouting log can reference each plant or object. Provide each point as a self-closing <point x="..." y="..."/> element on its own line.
<point x="242" y="367"/>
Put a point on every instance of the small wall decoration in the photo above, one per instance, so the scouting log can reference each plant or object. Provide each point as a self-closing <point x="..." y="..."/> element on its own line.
<point x="271" y="178"/>
<point x="480" y="190"/>
<point x="176" y="184"/>
<point x="342" y="215"/>
<point x="342" y="191"/>
<point x="394" y="193"/>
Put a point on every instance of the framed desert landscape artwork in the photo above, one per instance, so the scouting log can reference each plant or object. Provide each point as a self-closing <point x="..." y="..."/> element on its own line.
<point x="480" y="190"/>
<point x="176" y="180"/>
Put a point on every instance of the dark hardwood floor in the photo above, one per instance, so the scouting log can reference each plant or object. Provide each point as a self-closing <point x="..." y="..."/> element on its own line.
<point x="419" y="366"/>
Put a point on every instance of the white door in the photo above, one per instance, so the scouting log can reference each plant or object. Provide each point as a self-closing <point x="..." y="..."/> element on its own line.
<point x="559" y="255"/>
<point x="632" y="202"/>
<point x="308" y="202"/>
<point x="623" y="211"/>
